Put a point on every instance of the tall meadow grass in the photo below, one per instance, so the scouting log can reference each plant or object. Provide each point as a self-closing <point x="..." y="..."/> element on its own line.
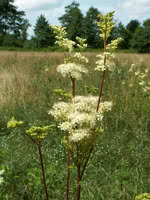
<point x="120" y="168"/>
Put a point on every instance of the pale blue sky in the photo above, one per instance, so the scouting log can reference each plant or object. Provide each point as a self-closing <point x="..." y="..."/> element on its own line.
<point x="125" y="10"/>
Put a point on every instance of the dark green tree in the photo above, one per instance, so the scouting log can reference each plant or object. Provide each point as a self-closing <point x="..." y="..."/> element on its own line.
<point x="133" y="25"/>
<point x="11" y="21"/>
<point x="44" y="35"/>
<point x="73" y="20"/>
<point x="10" y="18"/>
<point x="91" y="31"/>
<point x="141" y="38"/>
<point x="146" y="23"/>
<point x="124" y="33"/>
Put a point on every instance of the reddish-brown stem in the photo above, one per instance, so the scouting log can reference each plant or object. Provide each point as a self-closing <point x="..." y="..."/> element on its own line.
<point x="42" y="166"/>
<point x="102" y="81"/>
<point x="43" y="173"/>
<point x="73" y="86"/>
<point x="100" y="92"/>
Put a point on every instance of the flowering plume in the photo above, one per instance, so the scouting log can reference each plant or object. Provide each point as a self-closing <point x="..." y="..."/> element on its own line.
<point x="106" y="24"/>
<point x="79" y="117"/>
<point x="74" y="63"/>
<point x="62" y="41"/>
<point x="106" y="60"/>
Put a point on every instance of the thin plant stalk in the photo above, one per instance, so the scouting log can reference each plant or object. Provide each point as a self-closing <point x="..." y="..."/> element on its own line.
<point x="79" y="172"/>
<point x="43" y="172"/>
<point x="68" y="154"/>
<point x="84" y="167"/>
<point x="78" y="182"/>
<point x="73" y="86"/>
<point x="68" y="174"/>
<point x="102" y="81"/>
<point x="42" y="165"/>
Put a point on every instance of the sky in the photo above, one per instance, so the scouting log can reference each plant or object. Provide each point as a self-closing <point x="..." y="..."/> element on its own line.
<point x="125" y="10"/>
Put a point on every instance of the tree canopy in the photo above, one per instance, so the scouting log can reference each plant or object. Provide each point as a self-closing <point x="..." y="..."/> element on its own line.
<point x="73" y="20"/>
<point x="91" y="31"/>
<point x="44" y="35"/>
<point x="12" y="21"/>
<point x="14" y="29"/>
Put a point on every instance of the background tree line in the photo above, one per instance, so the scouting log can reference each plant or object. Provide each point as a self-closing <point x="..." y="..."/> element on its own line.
<point x="14" y="27"/>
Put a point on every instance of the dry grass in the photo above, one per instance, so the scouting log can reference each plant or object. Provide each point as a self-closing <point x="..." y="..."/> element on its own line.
<point x="21" y="72"/>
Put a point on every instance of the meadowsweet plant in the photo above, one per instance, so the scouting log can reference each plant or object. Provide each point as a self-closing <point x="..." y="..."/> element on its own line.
<point x="82" y="123"/>
<point x="74" y="59"/>
<point x="73" y="67"/>
<point x="81" y="118"/>
<point x="37" y="135"/>
<point x="106" y="60"/>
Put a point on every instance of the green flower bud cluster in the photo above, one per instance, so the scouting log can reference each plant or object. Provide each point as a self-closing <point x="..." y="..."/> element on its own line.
<point x="39" y="133"/>
<point x="63" y="94"/>
<point x="62" y="41"/>
<point x="106" y="24"/>
<point x="14" y="123"/>
<point x="106" y="60"/>
<point x="81" y="43"/>
<point x="143" y="196"/>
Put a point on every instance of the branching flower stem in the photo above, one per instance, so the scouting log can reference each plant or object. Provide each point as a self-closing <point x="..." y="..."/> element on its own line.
<point x="102" y="81"/>
<point x="42" y="165"/>
<point x="68" y="154"/>
<point x="79" y="172"/>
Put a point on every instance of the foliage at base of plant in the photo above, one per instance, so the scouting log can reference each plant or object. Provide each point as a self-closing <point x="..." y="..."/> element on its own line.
<point x="143" y="196"/>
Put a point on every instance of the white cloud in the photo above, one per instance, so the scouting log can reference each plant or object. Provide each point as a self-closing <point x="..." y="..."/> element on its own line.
<point x="51" y="9"/>
<point x="38" y="4"/>
<point x="133" y="9"/>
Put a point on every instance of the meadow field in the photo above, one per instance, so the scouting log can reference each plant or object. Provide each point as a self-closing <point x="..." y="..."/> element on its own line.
<point x="119" y="168"/>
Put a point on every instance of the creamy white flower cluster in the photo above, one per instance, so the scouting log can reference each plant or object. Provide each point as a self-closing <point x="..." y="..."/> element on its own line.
<point x="63" y="41"/>
<point x="72" y="70"/>
<point x="1" y="178"/>
<point x="114" y="44"/>
<point x="77" y="58"/>
<point x="73" y="64"/>
<point x="110" y="64"/>
<point x="79" y="117"/>
<point x="141" y="77"/>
